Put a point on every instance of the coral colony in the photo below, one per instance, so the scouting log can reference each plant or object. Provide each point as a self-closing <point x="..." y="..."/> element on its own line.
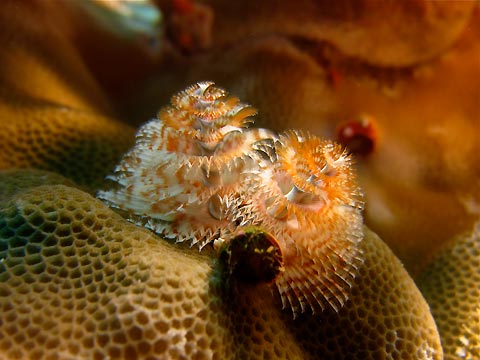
<point x="199" y="173"/>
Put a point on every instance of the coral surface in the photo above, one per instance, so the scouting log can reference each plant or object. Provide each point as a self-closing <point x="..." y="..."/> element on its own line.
<point x="386" y="33"/>
<point x="450" y="285"/>
<point x="53" y="114"/>
<point x="78" y="281"/>
<point x="80" y="145"/>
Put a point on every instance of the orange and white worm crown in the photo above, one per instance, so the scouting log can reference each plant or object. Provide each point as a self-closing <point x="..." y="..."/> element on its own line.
<point x="198" y="173"/>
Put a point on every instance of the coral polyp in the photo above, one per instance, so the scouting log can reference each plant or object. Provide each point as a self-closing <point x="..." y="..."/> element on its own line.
<point x="198" y="173"/>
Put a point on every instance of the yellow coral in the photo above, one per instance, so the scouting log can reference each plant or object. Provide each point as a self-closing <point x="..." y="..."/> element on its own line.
<point x="80" y="145"/>
<point x="450" y="285"/>
<point x="15" y="181"/>
<point x="76" y="280"/>
<point x="54" y="115"/>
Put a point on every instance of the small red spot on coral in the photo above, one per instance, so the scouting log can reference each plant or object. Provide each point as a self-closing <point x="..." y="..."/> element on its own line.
<point x="185" y="41"/>
<point x="182" y="6"/>
<point x="189" y="25"/>
<point x="334" y="77"/>
<point x="358" y="135"/>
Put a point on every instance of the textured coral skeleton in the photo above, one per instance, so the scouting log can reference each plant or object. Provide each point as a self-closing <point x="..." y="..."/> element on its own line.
<point x="199" y="173"/>
<point x="102" y="288"/>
